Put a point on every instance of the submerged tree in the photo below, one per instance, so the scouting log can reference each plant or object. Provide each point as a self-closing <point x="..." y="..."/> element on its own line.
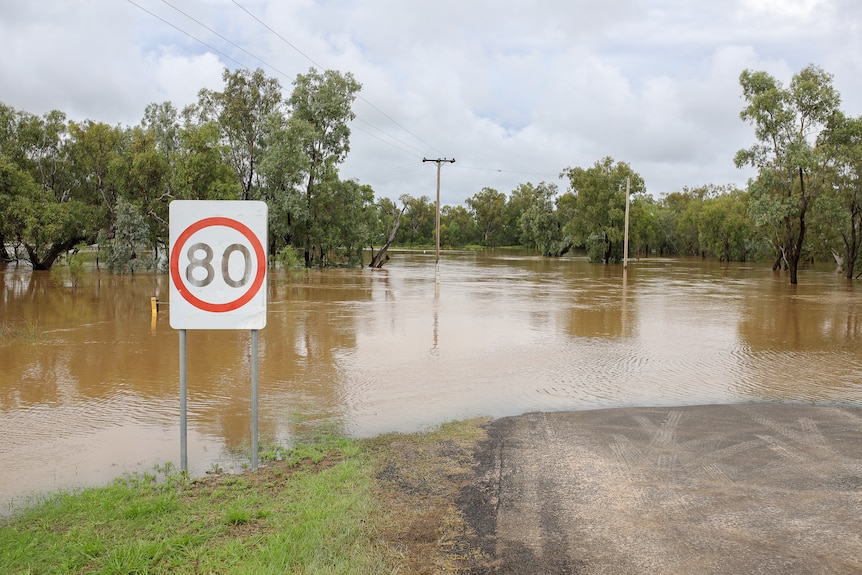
<point x="791" y="168"/>
<point x="321" y="107"/>
<point x="124" y="252"/>
<point x="385" y="226"/>
<point x="489" y="210"/>
<point x="45" y="196"/>
<point x="598" y="207"/>
<point x="840" y="206"/>
<point x="541" y="223"/>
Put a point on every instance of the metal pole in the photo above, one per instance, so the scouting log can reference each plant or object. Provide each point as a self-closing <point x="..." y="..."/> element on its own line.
<point x="184" y="453"/>
<point x="626" y="241"/>
<point x="254" y="454"/>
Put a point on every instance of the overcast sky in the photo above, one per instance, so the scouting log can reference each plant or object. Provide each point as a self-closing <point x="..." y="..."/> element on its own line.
<point x="515" y="91"/>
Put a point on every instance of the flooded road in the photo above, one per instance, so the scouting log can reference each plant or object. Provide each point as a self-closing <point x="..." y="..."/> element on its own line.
<point x="89" y="379"/>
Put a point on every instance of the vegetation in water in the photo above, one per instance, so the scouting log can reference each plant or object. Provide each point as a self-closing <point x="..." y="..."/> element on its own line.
<point x="64" y="183"/>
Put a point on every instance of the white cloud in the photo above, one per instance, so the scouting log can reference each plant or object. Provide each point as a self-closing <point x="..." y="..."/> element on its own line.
<point x="515" y="92"/>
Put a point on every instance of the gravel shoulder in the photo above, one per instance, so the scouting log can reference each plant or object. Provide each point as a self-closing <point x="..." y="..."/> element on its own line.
<point x="755" y="488"/>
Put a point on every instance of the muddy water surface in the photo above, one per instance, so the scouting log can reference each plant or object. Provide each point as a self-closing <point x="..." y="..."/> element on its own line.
<point x="89" y="379"/>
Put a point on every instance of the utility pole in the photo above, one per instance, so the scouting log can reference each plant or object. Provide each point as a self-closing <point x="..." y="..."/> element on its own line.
<point x="626" y="240"/>
<point x="439" y="162"/>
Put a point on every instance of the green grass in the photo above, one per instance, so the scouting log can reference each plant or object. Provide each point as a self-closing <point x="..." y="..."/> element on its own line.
<point x="307" y="510"/>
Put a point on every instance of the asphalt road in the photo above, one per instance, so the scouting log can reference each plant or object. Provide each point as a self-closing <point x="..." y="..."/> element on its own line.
<point x="732" y="489"/>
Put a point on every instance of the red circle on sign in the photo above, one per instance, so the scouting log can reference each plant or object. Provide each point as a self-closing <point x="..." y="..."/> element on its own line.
<point x="249" y="293"/>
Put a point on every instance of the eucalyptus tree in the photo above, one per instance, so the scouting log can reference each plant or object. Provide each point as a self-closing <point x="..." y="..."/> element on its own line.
<point x="725" y="229"/>
<point x="541" y="223"/>
<point x="791" y="167"/>
<point x="124" y="251"/>
<point x="320" y="110"/>
<point x="15" y="185"/>
<point x="285" y="169"/>
<point x="144" y="185"/>
<point x="418" y="222"/>
<point x="598" y="207"/>
<point x="840" y="205"/>
<point x="345" y="223"/>
<point x="457" y="227"/>
<point x="489" y="210"/>
<point x="33" y="219"/>
<point x="243" y="110"/>
<point x="94" y="150"/>
<point x="199" y="171"/>
<point x="45" y="210"/>
<point x="520" y="201"/>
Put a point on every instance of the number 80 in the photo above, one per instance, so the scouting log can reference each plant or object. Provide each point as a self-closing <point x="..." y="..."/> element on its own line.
<point x="206" y="263"/>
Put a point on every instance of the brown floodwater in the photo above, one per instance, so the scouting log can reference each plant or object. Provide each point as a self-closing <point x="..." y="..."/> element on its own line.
<point x="89" y="379"/>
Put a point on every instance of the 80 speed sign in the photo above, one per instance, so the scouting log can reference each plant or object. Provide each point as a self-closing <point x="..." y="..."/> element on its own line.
<point x="218" y="264"/>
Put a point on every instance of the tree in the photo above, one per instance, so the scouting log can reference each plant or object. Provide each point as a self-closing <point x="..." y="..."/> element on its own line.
<point x="419" y="221"/>
<point x="94" y="151"/>
<point x="841" y="202"/>
<point x="144" y="184"/>
<point x="791" y="168"/>
<point x="321" y="107"/>
<point x="598" y="207"/>
<point x="542" y="222"/>
<point x="457" y="227"/>
<point x="44" y="227"/>
<point x="386" y="224"/>
<point x="489" y="211"/>
<point x="45" y="208"/>
<point x="725" y="229"/>
<point x="123" y="252"/>
<point x="243" y="111"/>
<point x="344" y="222"/>
<point x="200" y="172"/>
<point x="285" y="168"/>
<point x="521" y="199"/>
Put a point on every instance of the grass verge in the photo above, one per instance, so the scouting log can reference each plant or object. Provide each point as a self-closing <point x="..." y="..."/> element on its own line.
<point x="335" y="505"/>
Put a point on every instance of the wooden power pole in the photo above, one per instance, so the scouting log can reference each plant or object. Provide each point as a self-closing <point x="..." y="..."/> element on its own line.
<point x="626" y="240"/>
<point x="439" y="162"/>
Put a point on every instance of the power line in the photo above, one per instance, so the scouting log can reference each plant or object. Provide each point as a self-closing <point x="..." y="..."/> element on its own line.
<point x="508" y="171"/>
<point x="400" y="170"/>
<point x="270" y="66"/>
<point x="387" y="137"/>
<point x="228" y="40"/>
<point x="195" y="38"/>
<point x="307" y="57"/>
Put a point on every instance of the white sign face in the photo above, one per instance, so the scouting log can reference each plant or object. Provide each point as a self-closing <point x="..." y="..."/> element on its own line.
<point x="218" y="264"/>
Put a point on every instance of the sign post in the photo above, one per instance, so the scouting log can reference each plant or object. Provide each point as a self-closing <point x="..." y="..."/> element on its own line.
<point x="218" y="281"/>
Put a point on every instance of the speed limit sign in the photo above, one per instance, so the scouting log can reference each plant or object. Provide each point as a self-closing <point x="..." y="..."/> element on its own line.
<point x="218" y="264"/>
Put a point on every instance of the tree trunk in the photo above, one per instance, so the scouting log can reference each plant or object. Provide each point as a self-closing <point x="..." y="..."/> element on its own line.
<point x="381" y="257"/>
<point x="778" y="259"/>
<point x="45" y="263"/>
<point x="4" y="254"/>
<point x="796" y="247"/>
<point x="308" y="221"/>
<point x="839" y="263"/>
<point x="852" y="247"/>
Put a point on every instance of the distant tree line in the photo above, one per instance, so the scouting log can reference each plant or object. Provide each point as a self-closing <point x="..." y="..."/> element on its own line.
<point x="65" y="183"/>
